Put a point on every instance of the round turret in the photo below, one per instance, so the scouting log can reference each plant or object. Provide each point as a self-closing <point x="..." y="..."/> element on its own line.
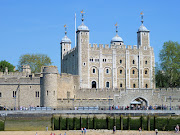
<point x="49" y="87"/>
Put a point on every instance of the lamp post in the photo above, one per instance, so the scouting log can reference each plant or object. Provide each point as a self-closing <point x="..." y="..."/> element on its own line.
<point x="109" y="103"/>
<point x="170" y="102"/>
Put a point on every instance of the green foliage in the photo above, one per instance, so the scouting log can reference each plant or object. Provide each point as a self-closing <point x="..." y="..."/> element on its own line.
<point x="4" y="64"/>
<point x="1" y="125"/>
<point x="169" y="76"/>
<point x="35" y="61"/>
<point x="132" y="123"/>
<point x="101" y="124"/>
<point x="135" y="123"/>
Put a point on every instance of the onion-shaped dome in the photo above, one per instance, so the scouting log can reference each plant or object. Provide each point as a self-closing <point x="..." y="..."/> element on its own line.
<point x="142" y="28"/>
<point x="66" y="39"/>
<point x="117" y="38"/>
<point x="82" y="27"/>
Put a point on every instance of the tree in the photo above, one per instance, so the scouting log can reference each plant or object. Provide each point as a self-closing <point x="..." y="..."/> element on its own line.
<point x="35" y="61"/>
<point x="4" y="64"/>
<point x="170" y="63"/>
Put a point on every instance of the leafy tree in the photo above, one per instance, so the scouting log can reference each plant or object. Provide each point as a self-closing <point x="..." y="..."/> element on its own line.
<point x="170" y="63"/>
<point x="4" y="64"/>
<point x="35" y="61"/>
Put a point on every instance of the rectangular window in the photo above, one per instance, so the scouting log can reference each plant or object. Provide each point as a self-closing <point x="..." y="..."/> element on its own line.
<point x="0" y="94"/>
<point x="37" y="93"/>
<point x="14" y="93"/>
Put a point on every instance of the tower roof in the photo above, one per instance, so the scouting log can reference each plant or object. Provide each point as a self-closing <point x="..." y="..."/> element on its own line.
<point x="117" y="38"/>
<point x="142" y="27"/>
<point x="65" y="39"/>
<point x="82" y="26"/>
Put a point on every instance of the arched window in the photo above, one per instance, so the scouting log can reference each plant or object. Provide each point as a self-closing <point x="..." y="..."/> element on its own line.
<point x="133" y="61"/>
<point x="120" y="61"/>
<point x="93" y="84"/>
<point x="107" y="71"/>
<point x="145" y="71"/>
<point x="133" y="71"/>
<point x="94" y="70"/>
<point x="146" y="62"/>
<point x="120" y="85"/>
<point x="146" y="86"/>
<point x="134" y="85"/>
<point x="120" y="71"/>
<point x="107" y="84"/>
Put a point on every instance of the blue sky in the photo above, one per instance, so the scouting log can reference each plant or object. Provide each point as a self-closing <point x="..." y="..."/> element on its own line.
<point x="36" y="26"/>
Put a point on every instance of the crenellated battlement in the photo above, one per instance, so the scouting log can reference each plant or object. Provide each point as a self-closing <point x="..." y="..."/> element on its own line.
<point x="70" y="51"/>
<point x="107" y="46"/>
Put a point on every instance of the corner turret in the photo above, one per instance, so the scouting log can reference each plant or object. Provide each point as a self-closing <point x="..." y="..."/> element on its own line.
<point x="143" y="35"/>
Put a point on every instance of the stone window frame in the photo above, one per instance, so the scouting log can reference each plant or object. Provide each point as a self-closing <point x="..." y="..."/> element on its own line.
<point x="146" y="62"/>
<point x="14" y="94"/>
<point x="145" y="72"/>
<point x="108" y="83"/>
<point x="134" y="85"/>
<point x="37" y="94"/>
<point x="133" y="61"/>
<point x="133" y="71"/>
<point x="120" y="61"/>
<point x="146" y="85"/>
<point x="93" y="70"/>
<point x="120" y="71"/>
<point x="121" y="85"/>
<point x="107" y="71"/>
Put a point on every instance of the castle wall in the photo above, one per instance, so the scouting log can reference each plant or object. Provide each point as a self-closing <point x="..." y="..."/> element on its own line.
<point x="25" y="89"/>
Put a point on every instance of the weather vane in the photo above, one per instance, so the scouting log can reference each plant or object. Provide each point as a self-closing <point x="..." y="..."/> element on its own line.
<point x="65" y="29"/>
<point x="116" y="28"/>
<point x="82" y="12"/>
<point x="142" y="17"/>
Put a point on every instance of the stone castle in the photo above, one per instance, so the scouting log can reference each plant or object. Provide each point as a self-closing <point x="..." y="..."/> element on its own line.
<point x="91" y="75"/>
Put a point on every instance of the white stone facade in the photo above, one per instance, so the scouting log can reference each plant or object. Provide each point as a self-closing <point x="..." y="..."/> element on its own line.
<point x="110" y="66"/>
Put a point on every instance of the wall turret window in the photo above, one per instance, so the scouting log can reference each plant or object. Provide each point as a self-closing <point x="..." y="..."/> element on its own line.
<point x="120" y="61"/>
<point x="47" y="92"/>
<point x="133" y="72"/>
<point x="146" y="72"/>
<point x="133" y="61"/>
<point x="146" y="85"/>
<point x="134" y="85"/>
<point x="146" y="62"/>
<point x="94" y="70"/>
<point x="107" y="84"/>
<point x="93" y="84"/>
<point x="120" y="71"/>
<point x="120" y="85"/>
<point x="0" y="94"/>
<point x="107" y="71"/>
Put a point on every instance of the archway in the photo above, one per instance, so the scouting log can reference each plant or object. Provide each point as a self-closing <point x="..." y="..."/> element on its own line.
<point x="139" y="103"/>
<point x="93" y="84"/>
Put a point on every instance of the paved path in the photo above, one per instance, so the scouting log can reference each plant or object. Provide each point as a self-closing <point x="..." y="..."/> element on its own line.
<point x="89" y="132"/>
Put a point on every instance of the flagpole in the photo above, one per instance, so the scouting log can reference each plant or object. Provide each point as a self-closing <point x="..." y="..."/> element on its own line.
<point x="75" y="29"/>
